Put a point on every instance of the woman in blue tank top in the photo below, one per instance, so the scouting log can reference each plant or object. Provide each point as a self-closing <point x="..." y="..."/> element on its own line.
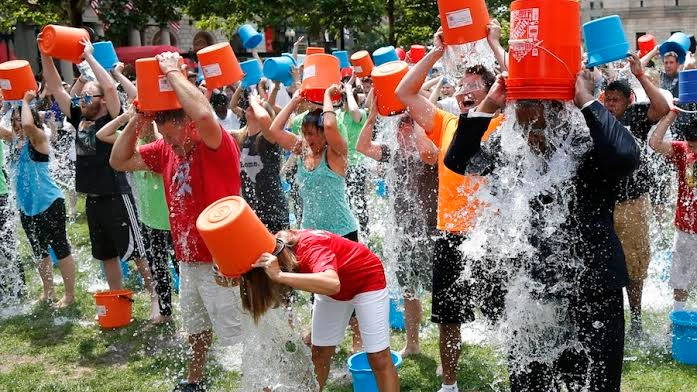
<point x="322" y="163"/>
<point x="39" y="200"/>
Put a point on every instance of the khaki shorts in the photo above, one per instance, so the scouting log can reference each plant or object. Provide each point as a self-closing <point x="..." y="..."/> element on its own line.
<point x="207" y="306"/>
<point x="632" y="227"/>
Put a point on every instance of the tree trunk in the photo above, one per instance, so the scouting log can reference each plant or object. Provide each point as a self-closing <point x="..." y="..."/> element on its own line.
<point x="76" y="9"/>
<point x="390" y="22"/>
<point x="342" y="40"/>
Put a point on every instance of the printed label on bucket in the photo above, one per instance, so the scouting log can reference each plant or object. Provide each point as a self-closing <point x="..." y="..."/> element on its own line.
<point x="357" y="69"/>
<point x="309" y="72"/>
<point x="460" y="18"/>
<point x="524" y="33"/>
<point x="164" y="84"/>
<point x="5" y="84"/>
<point x="212" y="70"/>
<point x="101" y="310"/>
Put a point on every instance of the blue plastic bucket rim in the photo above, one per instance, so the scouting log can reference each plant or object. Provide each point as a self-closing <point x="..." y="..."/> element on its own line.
<point x="350" y="362"/>
<point x="677" y="320"/>
<point x="250" y="37"/>
<point x="608" y="54"/>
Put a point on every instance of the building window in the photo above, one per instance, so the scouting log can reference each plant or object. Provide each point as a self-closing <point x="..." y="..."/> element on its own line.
<point x="601" y="4"/>
<point x="592" y="5"/>
<point x="677" y="3"/>
<point x="641" y="4"/>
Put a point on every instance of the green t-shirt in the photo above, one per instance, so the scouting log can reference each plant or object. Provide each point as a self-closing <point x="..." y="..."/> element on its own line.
<point x="152" y="206"/>
<point x="3" y="182"/>
<point x="347" y="127"/>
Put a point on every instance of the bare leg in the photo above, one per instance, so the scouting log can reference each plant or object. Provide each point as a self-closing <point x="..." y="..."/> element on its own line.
<point x="384" y="370"/>
<point x="67" y="267"/>
<point x="634" y="292"/>
<point x="46" y="274"/>
<point x="112" y="269"/>
<point x="321" y="359"/>
<point x="680" y="295"/>
<point x="144" y="269"/>
<point x="450" y="341"/>
<point x="412" y="321"/>
<point x="357" y="344"/>
<point x="200" y="343"/>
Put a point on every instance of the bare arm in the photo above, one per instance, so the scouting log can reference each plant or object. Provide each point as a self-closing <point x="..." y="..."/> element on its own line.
<point x="325" y="283"/>
<point x="436" y="91"/>
<point x="354" y="110"/>
<point x="428" y="152"/>
<point x="261" y="115"/>
<point x="37" y="136"/>
<point x="365" y="144"/>
<point x="126" y="83"/>
<point x="648" y="56"/>
<point x="658" y="106"/>
<point x="192" y="100"/>
<point x="108" y="132"/>
<point x="656" y="142"/>
<point x="235" y="101"/>
<point x="76" y="88"/>
<point x="335" y="141"/>
<point x="113" y="103"/>
<point x="54" y="83"/>
<point x="124" y="155"/>
<point x="296" y="45"/>
<point x="494" y="40"/>
<point x="276" y="133"/>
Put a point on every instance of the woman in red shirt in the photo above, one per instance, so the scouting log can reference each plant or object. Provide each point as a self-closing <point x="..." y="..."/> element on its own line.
<point x="344" y="275"/>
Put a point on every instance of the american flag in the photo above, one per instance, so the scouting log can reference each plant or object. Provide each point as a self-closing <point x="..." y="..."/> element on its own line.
<point x="174" y="26"/>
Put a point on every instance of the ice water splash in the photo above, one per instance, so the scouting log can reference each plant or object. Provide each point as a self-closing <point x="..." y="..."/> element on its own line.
<point x="457" y="58"/>
<point x="522" y="230"/>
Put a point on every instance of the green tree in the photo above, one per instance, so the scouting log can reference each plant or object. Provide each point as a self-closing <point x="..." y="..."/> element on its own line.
<point x="120" y="16"/>
<point x="40" y="13"/>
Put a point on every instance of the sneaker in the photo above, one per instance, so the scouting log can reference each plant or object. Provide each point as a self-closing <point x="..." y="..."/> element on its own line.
<point x="185" y="386"/>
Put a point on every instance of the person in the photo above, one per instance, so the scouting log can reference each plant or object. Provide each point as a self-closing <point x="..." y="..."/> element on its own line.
<point x="344" y="276"/>
<point x="683" y="154"/>
<point x="39" y="200"/>
<point x="225" y="116"/>
<point x="415" y="184"/>
<point x="109" y="204"/>
<point x="633" y="204"/>
<point x="593" y="288"/>
<point x="200" y="164"/>
<point x="452" y="297"/>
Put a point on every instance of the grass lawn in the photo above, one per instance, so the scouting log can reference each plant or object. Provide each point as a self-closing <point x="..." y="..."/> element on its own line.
<point x="42" y="349"/>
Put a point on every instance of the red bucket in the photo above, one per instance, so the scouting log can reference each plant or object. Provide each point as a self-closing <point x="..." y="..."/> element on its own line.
<point x="544" y="49"/>
<point x="646" y="43"/>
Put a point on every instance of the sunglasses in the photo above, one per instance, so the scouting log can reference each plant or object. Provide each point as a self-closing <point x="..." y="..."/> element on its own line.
<point x="86" y="99"/>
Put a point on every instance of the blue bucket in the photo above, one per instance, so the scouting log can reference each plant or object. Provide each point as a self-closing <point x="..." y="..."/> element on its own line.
<point x="175" y="277"/>
<point x="678" y="43"/>
<point x="362" y="374"/>
<point x="343" y="57"/>
<point x="279" y="68"/>
<point x="249" y="36"/>
<point x="384" y="55"/>
<point x="605" y="40"/>
<point x="52" y="254"/>
<point x="380" y="187"/>
<point x="397" y="315"/>
<point x="105" y="54"/>
<point x="688" y="86"/>
<point x="299" y="62"/>
<point x="252" y="72"/>
<point x="685" y="336"/>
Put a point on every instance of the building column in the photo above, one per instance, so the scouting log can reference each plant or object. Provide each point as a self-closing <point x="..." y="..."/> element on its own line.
<point x="134" y="38"/>
<point x="164" y="36"/>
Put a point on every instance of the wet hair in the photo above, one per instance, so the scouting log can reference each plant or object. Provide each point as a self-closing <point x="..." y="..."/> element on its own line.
<point x="219" y="99"/>
<point x="488" y="76"/>
<point x="166" y="116"/>
<point x="671" y="54"/>
<point x="621" y="86"/>
<point x="315" y="118"/>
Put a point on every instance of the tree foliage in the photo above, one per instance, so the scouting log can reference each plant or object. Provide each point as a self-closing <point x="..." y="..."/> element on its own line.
<point x="119" y="16"/>
<point x="37" y="12"/>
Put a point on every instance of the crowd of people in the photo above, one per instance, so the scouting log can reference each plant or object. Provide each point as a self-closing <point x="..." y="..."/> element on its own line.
<point x="146" y="177"/>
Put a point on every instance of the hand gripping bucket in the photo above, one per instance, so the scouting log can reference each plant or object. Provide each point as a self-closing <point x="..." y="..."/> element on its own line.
<point x="678" y="43"/>
<point x="416" y="53"/>
<point x="219" y="65"/>
<point x="279" y="68"/>
<point x="319" y="73"/>
<point x="114" y="308"/>
<point x="155" y="94"/>
<point x="314" y="50"/>
<point x="105" y="54"/>
<point x="463" y="21"/>
<point x="234" y="235"/>
<point x="63" y="42"/>
<point x="362" y="373"/>
<point x="252" y="72"/>
<point x="384" y="55"/>
<point x="401" y="54"/>
<point x="249" y="36"/>
<point x="385" y="80"/>
<point x="544" y="49"/>
<point x="362" y="63"/>
<point x="343" y="57"/>
<point x="16" y="78"/>
<point x="685" y="336"/>
<point x="688" y="86"/>
<point x="645" y="44"/>
<point x="605" y="40"/>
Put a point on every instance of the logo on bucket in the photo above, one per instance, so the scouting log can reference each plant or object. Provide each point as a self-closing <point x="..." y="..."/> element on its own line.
<point x="101" y="310"/>
<point x="5" y="84"/>
<point x="460" y="18"/>
<point x="309" y="72"/>
<point x="524" y="33"/>
<point x="164" y="84"/>
<point x="212" y="70"/>
<point x="357" y="69"/>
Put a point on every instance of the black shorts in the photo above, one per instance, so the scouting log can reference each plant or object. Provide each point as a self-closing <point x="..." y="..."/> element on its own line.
<point x="114" y="227"/>
<point x="452" y="303"/>
<point x="47" y="229"/>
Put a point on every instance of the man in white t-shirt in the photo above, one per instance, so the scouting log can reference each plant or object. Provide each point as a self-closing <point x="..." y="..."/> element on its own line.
<point x="221" y="106"/>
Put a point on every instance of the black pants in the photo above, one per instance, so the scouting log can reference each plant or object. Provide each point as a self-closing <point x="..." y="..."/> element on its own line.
<point x="159" y="249"/>
<point x="356" y="187"/>
<point x="9" y="254"/>
<point x="600" y="323"/>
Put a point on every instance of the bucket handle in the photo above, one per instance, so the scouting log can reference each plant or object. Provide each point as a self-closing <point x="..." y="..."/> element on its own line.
<point x="539" y="45"/>
<point x="686" y="111"/>
<point x="127" y="298"/>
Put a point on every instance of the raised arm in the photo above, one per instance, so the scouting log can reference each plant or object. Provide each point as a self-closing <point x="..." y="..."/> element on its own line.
<point x="331" y="128"/>
<point x="648" y="56"/>
<point x="353" y="108"/>
<point x="408" y="90"/>
<point x="126" y="83"/>
<point x="428" y="151"/>
<point x="296" y="45"/>
<point x="107" y="133"/>
<point x="494" y="39"/>
<point x="37" y="136"/>
<point x="194" y="103"/>
<point x="124" y="155"/>
<point x="277" y="133"/>
<point x="435" y="93"/>
<point x="656" y="141"/>
<point x="54" y="83"/>
<point x="365" y="144"/>
<point x="76" y="88"/>
<point x="261" y="115"/>
<point x="113" y="103"/>
<point x="235" y="101"/>
<point x="658" y="106"/>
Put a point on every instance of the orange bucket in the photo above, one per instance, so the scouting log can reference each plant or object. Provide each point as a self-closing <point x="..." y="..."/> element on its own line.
<point x="155" y="94"/>
<point x="646" y="43"/>
<point x="114" y="308"/>
<point x="463" y="21"/>
<point x="320" y="71"/>
<point x="219" y="65"/>
<point x="544" y="49"/>
<point x="234" y="235"/>
<point x="63" y="42"/>
<point x="314" y="50"/>
<point x="362" y="63"/>
<point x="385" y="80"/>
<point x="16" y="78"/>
